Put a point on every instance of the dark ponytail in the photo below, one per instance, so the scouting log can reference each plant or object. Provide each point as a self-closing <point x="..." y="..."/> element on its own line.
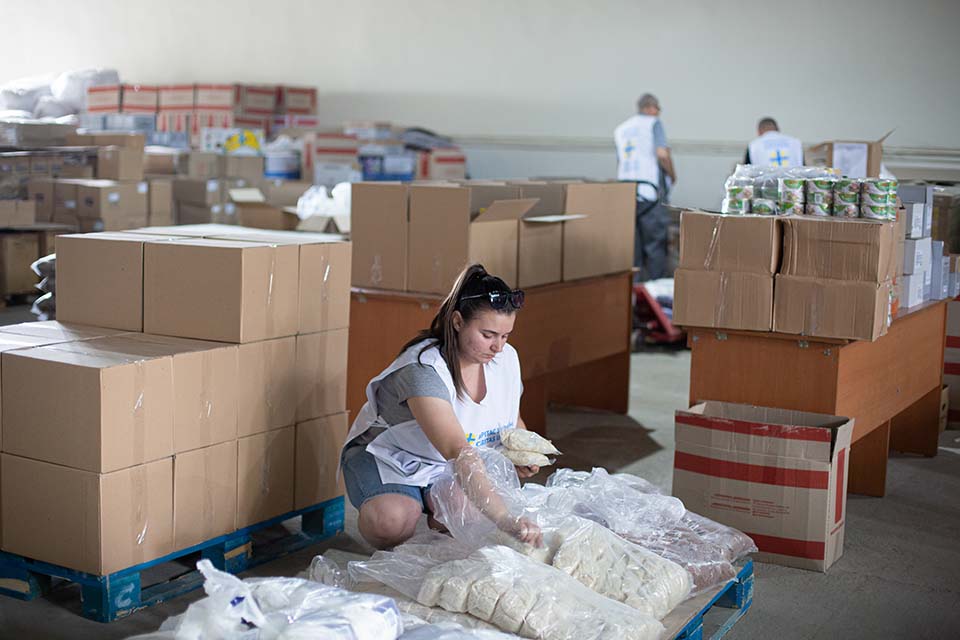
<point x="472" y="281"/>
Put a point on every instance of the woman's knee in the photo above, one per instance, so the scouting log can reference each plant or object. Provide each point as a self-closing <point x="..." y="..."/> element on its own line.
<point x="389" y="520"/>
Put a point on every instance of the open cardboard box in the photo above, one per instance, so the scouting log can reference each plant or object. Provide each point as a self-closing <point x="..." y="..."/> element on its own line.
<point x="854" y="158"/>
<point x="254" y="211"/>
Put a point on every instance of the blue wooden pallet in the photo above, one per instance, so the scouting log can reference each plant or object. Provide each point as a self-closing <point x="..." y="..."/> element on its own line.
<point x="735" y="596"/>
<point x="107" y="598"/>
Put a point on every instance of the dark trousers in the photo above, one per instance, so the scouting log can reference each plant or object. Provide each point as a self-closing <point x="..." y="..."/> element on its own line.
<point x="650" y="246"/>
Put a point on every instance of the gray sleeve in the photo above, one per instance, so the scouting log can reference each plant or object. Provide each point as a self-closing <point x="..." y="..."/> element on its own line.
<point x="659" y="135"/>
<point x="412" y="381"/>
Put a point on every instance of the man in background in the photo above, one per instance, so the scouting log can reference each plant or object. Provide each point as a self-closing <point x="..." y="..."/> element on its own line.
<point x="644" y="157"/>
<point x="772" y="148"/>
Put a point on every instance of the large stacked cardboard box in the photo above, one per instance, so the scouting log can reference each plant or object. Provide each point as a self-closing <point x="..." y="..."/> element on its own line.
<point x="419" y="236"/>
<point x="212" y="398"/>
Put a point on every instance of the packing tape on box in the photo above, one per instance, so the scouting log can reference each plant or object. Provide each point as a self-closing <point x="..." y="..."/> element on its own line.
<point x="138" y="413"/>
<point x="270" y="311"/>
<point x="86" y="505"/>
<point x="265" y="470"/>
<point x="376" y="270"/>
<point x="208" y="502"/>
<point x="714" y="239"/>
<point x="139" y="512"/>
<point x="325" y="289"/>
<point x="206" y="408"/>
<point x="718" y="309"/>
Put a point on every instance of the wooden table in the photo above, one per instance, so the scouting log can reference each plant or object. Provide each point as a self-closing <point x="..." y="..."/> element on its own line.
<point x="891" y="387"/>
<point x="573" y="339"/>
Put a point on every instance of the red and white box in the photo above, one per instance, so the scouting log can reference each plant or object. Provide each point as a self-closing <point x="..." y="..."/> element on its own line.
<point x="175" y="122"/>
<point x="297" y="100"/>
<point x="104" y="99"/>
<point x="253" y="122"/>
<point x="328" y="148"/>
<point x="212" y="120"/>
<point x="255" y="100"/>
<point x="280" y="122"/>
<point x="951" y="363"/>
<point x="779" y="476"/>
<point x="214" y="97"/>
<point x="139" y="98"/>
<point x="441" y="164"/>
<point x="176" y="97"/>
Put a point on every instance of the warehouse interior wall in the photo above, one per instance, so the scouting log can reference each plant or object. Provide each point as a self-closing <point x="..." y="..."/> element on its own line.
<point x="536" y="87"/>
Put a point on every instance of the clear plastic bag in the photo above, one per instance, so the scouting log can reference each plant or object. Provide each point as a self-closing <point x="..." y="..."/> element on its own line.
<point x="280" y="609"/>
<point x="507" y="589"/>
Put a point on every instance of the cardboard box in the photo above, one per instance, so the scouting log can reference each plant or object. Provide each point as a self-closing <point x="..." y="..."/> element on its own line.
<point x="324" y="148"/>
<point x="928" y="223"/>
<point x="256" y="99"/>
<point x="214" y="97"/>
<point x="442" y="164"/>
<point x="204" y="494"/>
<point x="103" y="409"/>
<point x="253" y="211"/>
<point x="831" y="308"/>
<point x="132" y="141"/>
<point x="285" y="193"/>
<point x="17" y="252"/>
<point x="917" y="255"/>
<point x="380" y="226"/>
<point x="779" y="476"/>
<point x="119" y="205"/>
<point x="911" y="290"/>
<point x="855" y="159"/>
<point x="95" y="523"/>
<point x="318" y="458"/>
<point x="249" y="168"/>
<point x="52" y="331"/>
<point x="100" y="280"/>
<point x="914" y="220"/>
<point x="746" y="244"/>
<point x="540" y="243"/>
<point x="204" y="164"/>
<point x="265" y="481"/>
<point x="603" y="242"/>
<point x="724" y="300"/>
<point x="180" y="122"/>
<point x="221" y="214"/>
<point x="321" y="374"/>
<point x="267" y="391"/>
<point x="236" y="291"/>
<point x="103" y="99"/>
<point x="940" y="278"/>
<point x="166" y="161"/>
<point x="40" y="191"/>
<point x="324" y="275"/>
<point x="39" y="166"/>
<point x="205" y="384"/>
<point x="477" y="223"/>
<point x="17" y="213"/>
<point x="296" y="100"/>
<point x="197" y="191"/>
<point x="78" y="164"/>
<point x="176" y="97"/>
<point x="138" y="98"/>
<point x="65" y="204"/>
<point x="160" y="202"/>
<point x="838" y="249"/>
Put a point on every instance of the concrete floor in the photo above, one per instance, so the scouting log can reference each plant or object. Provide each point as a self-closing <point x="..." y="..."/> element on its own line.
<point x="899" y="576"/>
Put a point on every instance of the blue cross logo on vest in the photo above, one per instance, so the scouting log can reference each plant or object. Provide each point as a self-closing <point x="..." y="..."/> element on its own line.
<point x="471" y="438"/>
<point x="629" y="149"/>
<point x="780" y="159"/>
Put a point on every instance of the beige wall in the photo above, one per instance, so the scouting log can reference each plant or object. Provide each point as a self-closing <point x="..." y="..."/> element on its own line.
<point x="556" y="70"/>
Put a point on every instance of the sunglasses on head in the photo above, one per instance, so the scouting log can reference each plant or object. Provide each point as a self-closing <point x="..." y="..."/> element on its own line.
<point x="500" y="299"/>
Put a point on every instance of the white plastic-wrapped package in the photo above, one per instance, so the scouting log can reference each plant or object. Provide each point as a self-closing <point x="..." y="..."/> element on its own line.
<point x="524" y="440"/>
<point x="447" y="631"/>
<point x="70" y="87"/>
<point x="513" y="592"/>
<point x="50" y="107"/>
<point x="23" y="94"/>
<point x="280" y="609"/>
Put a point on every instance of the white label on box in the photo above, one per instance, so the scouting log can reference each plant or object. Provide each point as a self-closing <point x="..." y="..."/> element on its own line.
<point x="98" y="225"/>
<point x="213" y="185"/>
<point x="240" y="183"/>
<point x="113" y="198"/>
<point x="915" y="220"/>
<point x="230" y="209"/>
<point x="69" y="204"/>
<point x="142" y="187"/>
<point x="851" y="158"/>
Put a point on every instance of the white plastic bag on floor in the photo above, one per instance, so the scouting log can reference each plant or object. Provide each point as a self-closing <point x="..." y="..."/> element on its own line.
<point x="280" y="609"/>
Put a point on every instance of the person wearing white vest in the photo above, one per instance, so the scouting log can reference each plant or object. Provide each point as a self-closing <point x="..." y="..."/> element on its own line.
<point x="454" y="386"/>
<point x="644" y="157"/>
<point x="773" y="149"/>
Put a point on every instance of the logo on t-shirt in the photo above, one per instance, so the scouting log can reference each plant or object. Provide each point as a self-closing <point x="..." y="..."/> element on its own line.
<point x="488" y="438"/>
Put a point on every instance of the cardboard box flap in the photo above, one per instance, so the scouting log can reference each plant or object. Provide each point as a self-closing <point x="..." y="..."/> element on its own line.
<point x="506" y="210"/>
<point x="83" y="354"/>
<point x="247" y="196"/>
<point x="555" y="218"/>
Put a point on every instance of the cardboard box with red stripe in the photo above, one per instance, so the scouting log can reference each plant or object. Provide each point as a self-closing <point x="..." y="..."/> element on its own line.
<point x="104" y="99"/>
<point x="779" y="476"/>
<point x="441" y="164"/>
<point x="328" y="149"/>
<point x="255" y="100"/>
<point x="297" y="100"/>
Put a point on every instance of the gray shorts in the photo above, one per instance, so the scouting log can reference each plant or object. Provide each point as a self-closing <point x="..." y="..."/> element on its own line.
<point x="362" y="479"/>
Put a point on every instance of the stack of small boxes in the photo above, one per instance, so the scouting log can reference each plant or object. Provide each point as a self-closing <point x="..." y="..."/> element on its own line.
<point x="930" y="272"/>
<point x="204" y="392"/>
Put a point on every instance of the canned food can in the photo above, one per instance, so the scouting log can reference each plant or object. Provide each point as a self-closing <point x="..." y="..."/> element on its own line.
<point x="791" y="195"/>
<point x="877" y="212"/>
<point x="819" y="198"/>
<point x="821" y="209"/>
<point x="820" y="185"/>
<point x="879" y="185"/>
<point x="843" y="210"/>
<point x="786" y="208"/>
<point x="870" y="199"/>
<point x="845" y="197"/>
<point x="740" y="191"/>
<point x="790" y="183"/>
<point x="763" y="206"/>
<point x="735" y="205"/>
<point x="846" y="185"/>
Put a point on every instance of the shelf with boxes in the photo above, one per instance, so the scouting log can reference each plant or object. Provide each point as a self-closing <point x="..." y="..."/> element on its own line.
<point x="203" y="392"/>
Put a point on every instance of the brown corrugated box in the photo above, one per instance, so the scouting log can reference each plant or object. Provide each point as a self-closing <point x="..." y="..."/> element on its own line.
<point x="254" y="211"/>
<point x="166" y="161"/>
<point x="40" y="191"/>
<point x="603" y="241"/>
<point x="321" y="374"/>
<point x="53" y="331"/>
<point x="96" y="523"/>
<point x="17" y="213"/>
<point x="110" y="200"/>
<point x="831" y="308"/>
<point x="134" y="141"/>
<point x="712" y="242"/>
<point x="723" y="300"/>
<point x="117" y="405"/>
<point x="268" y="385"/>
<point x="204" y="494"/>
<point x="160" y="202"/>
<point x="197" y="191"/>
<point x="119" y="163"/>
<point x="285" y="193"/>
<point x="249" y="168"/>
<point x="840" y="249"/>
<point x="204" y="165"/>
<point x="65" y="204"/>
<point x="779" y="476"/>
<point x="17" y="252"/>
<point x="540" y="243"/>
<point x="379" y="227"/>
<point x="822" y="155"/>
<point x="452" y="226"/>
<point x="318" y="456"/>
<point x="240" y="291"/>
<point x="194" y="214"/>
<point x="265" y="477"/>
